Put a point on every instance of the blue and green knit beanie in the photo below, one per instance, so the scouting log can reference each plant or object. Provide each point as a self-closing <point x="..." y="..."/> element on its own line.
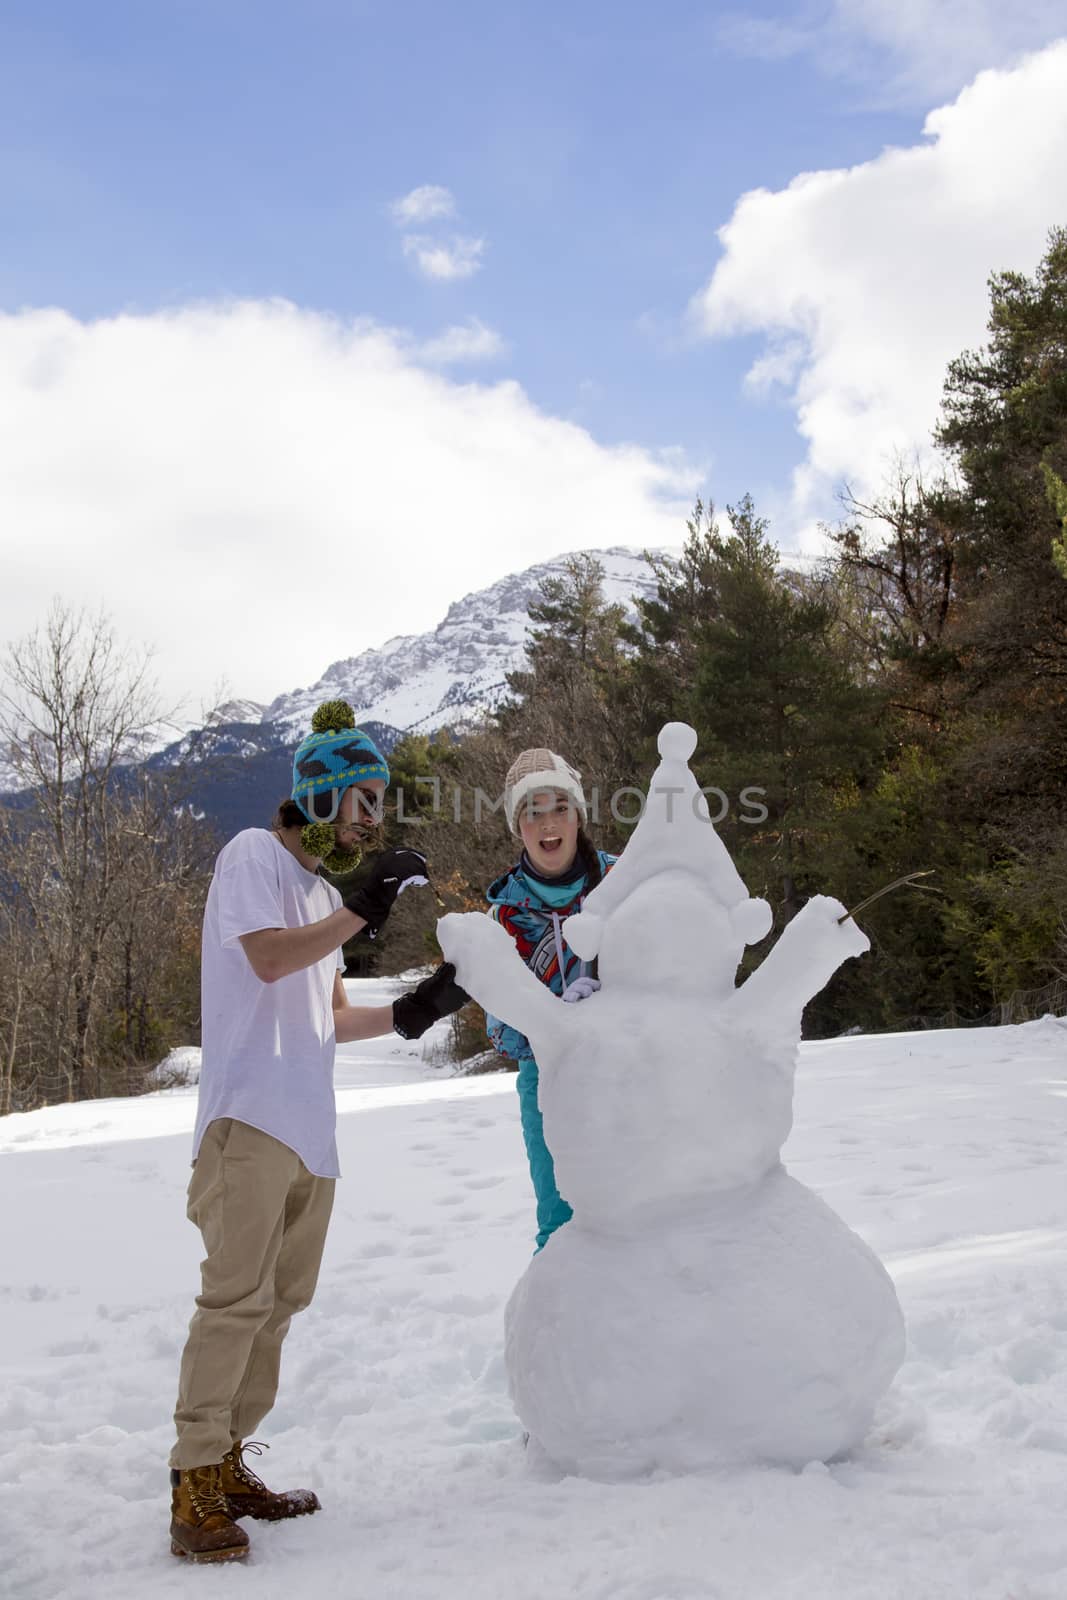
<point x="335" y="755"/>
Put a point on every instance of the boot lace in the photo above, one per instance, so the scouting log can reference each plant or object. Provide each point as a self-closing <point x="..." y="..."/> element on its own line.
<point x="245" y="1473"/>
<point x="205" y="1493"/>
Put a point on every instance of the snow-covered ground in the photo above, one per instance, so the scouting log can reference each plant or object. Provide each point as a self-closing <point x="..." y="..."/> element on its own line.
<point x="946" y="1151"/>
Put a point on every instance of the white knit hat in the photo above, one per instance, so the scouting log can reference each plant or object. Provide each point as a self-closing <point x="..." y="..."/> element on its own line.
<point x="540" y="769"/>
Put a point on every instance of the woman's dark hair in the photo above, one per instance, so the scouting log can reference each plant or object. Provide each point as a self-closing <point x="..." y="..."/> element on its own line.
<point x="289" y="815"/>
<point x="587" y="855"/>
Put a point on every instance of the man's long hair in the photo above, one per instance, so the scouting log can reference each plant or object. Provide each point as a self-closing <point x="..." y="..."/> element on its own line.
<point x="288" y="815"/>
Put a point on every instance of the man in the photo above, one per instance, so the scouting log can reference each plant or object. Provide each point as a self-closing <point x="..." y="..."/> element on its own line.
<point x="264" y="1149"/>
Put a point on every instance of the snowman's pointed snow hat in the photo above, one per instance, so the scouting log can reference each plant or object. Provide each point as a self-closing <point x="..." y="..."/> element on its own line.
<point x="675" y="833"/>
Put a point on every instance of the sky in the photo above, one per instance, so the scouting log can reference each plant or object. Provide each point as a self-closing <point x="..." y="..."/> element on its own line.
<point x="316" y="317"/>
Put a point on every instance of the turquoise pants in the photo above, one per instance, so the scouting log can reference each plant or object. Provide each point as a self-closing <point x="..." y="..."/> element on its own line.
<point x="552" y="1210"/>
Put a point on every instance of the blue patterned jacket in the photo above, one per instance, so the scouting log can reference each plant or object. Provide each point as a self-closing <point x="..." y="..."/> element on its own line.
<point x="533" y="914"/>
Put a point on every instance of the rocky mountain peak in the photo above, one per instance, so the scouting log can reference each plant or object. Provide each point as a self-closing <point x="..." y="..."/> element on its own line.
<point x="422" y="682"/>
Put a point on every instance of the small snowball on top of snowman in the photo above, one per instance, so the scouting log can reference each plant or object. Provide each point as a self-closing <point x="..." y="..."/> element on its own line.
<point x="702" y="1307"/>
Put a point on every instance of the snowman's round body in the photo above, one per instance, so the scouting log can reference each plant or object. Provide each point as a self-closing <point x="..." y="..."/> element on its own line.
<point x="702" y="1306"/>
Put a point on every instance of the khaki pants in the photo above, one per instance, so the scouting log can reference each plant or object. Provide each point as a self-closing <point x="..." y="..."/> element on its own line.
<point x="264" y="1219"/>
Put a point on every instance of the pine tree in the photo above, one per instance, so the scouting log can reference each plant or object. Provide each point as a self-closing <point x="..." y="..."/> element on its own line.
<point x="571" y="618"/>
<point x="572" y="695"/>
<point x="1057" y="494"/>
<point x="779" y="710"/>
<point x="665" y="643"/>
<point x="748" y="654"/>
<point x="1005" y="423"/>
<point x="897" y="563"/>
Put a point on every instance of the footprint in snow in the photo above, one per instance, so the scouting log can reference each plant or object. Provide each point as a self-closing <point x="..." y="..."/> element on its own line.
<point x="465" y="1305"/>
<point x="74" y="1347"/>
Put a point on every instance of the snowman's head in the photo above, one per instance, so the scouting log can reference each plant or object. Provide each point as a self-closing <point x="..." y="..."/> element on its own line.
<point x="673" y="934"/>
<point x="674" y="908"/>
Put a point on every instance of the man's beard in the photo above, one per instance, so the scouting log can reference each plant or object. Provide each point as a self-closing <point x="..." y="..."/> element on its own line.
<point x="321" y="839"/>
<point x="339" y="861"/>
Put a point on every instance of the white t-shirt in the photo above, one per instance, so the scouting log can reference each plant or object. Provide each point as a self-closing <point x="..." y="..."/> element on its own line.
<point x="268" y="1048"/>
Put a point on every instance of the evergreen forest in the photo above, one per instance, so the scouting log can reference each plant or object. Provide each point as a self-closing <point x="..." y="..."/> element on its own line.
<point x="896" y="707"/>
<point x="900" y="706"/>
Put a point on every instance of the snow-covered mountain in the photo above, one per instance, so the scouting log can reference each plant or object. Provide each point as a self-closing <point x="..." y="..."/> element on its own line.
<point x="422" y="682"/>
<point x="239" y="764"/>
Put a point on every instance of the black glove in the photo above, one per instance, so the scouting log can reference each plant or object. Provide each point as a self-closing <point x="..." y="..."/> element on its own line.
<point x="435" y="997"/>
<point x="392" y="873"/>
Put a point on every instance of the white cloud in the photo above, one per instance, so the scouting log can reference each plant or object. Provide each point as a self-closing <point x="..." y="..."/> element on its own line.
<point x="459" y="258"/>
<point x="260" y="490"/>
<point x="867" y="282"/>
<point x="769" y="38"/>
<point x="427" y="203"/>
<point x="903" y="52"/>
<point x="777" y="368"/>
<point x="447" y="260"/>
<point x="465" y="341"/>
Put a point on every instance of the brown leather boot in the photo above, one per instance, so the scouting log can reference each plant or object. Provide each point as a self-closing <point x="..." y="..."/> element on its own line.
<point x="201" y="1525"/>
<point x="248" y="1496"/>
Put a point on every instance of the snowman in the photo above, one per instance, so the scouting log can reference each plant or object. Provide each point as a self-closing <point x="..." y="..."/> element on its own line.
<point x="702" y="1307"/>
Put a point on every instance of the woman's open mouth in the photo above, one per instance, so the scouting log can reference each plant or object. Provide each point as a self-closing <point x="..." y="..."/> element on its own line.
<point x="549" y="846"/>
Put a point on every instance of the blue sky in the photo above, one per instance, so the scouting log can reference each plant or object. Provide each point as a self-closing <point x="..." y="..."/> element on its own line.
<point x="157" y="158"/>
<point x="156" y="154"/>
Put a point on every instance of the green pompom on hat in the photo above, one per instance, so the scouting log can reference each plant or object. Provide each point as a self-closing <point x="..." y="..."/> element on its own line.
<point x="335" y="755"/>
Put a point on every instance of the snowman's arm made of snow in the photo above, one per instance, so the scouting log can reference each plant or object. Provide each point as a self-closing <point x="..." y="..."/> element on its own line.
<point x="488" y="967"/>
<point x="803" y="961"/>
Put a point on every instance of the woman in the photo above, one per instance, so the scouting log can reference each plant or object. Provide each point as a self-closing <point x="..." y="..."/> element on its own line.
<point x="545" y="806"/>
